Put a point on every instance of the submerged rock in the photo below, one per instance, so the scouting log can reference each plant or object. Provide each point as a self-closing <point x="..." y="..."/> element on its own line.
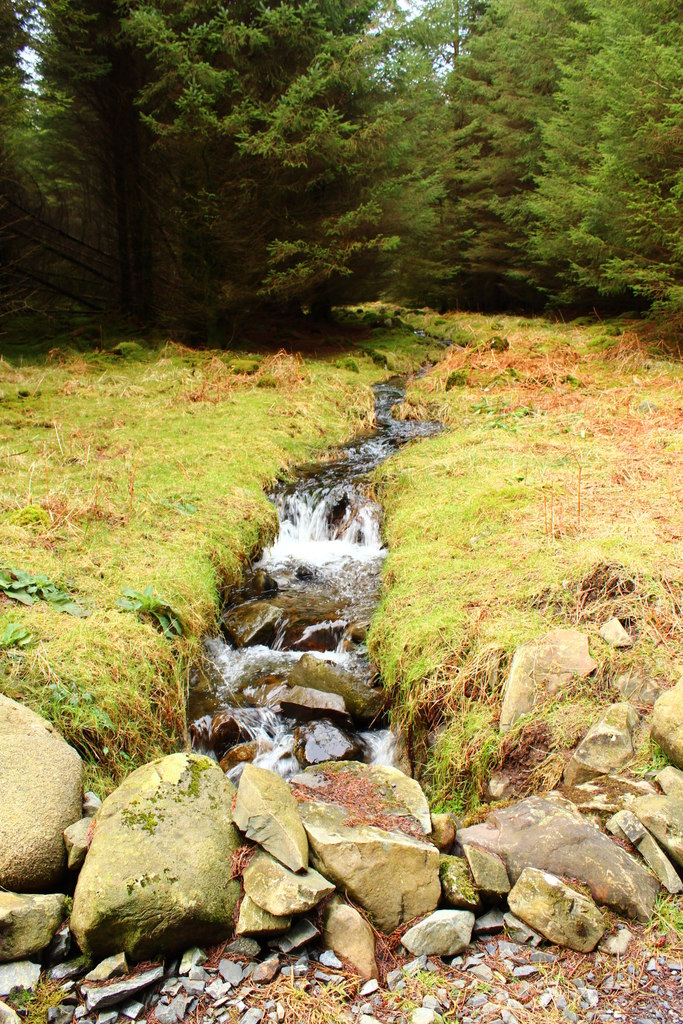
<point x="44" y="777"/>
<point x="157" y="876"/>
<point x="546" y="665"/>
<point x="280" y="891"/>
<point x="392" y="876"/>
<point x="322" y="741"/>
<point x="350" y="936"/>
<point x="560" y="913"/>
<point x="28" y="923"/>
<point x="549" y="833"/>
<point x="254" y="623"/>
<point x="266" y="812"/>
<point x="667" y="723"/>
<point x="443" y="933"/>
<point x="362" y="701"/>
<point x="607" y="746"/>
<point x="241" y="753"/>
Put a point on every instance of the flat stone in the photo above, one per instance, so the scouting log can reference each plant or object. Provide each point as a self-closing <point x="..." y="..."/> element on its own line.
<point x="546" y="665"/>
<point x="114" y="966"/>
<point x="70" y="969"/>
<point x="329" y="959"/>
<point x="252" y="1016"/>
<point x="614" y="634"/>
<point x="247" y="948"/>
<point x="255" y="922"/>
<point x="99" y="997"/>
<point x="392" y="876"/>
<point x="91" y="804"/>
<point x="304" y="704"/>
<point x="604" y="795"/>
<point x="663" y="817"/>
<point x="22" y="975"/>
<point x="667" y="723"/>
<point x="549" y="833"/>
<point x="108" y="1017"/>
<point x="519" y="931"/>
<point x="132" y="1010"/>
<point x="76" y="842"/>
<point x="560" y="913"/>
<point x="28" y="923"/>
<point x="607" y="746"/>
<point x="488" y="870"/>
<point x="625" y="824"/>
<point x="231" y="972"/>
<point x="280" y="891"/>
<point x="45" y="777"/>
<point x="443" y="933"/>
<point x="266" y="811"/>
<point x="349" y="935"/>
<point x="637" y="688"/>
<point x="489" y="923"/>
<point x="655" y="858"/>
<point x="362" y="701"/>
<point x="303" y="932"/>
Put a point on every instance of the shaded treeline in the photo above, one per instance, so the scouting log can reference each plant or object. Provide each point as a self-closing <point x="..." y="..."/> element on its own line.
<point x="190" y="163"/>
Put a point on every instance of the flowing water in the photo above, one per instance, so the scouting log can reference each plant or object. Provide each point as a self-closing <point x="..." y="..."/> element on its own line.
<point x="312" y="593"/>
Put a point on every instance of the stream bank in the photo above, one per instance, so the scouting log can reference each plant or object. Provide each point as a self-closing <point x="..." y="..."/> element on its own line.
<point x="290" y="684"/>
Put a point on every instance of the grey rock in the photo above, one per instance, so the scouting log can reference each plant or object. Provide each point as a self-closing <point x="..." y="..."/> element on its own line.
<point x="114" y="966"/>
<point x="193" y="957"/>
<point x="266" y="811"/>
<point x="252" y="1016"/>
<point x="614" y="634"/>
<point x="22" y="975"/>
<point x="231" y="972"/>
<point x="28" y="923"/>
<point x="91" y="804"/>
<point x="548" y="833"/>
<point x="76" y="842"/>
<point x="521" y="932"/>
<point x="132" y="1010"/>
<point x="654" y="856"/>
<point x="70" y="969"/>
<point x="248" y="948"/>
<point x="165" y="1013"/>
<point x="443" y="933"/>
<point x="368" y="988"/>
<point x="8" y="1015"/>
<point x="45" y="776"/>
<point x="59" y="948"/>
<point x="489" y="923"/>
<point x="108" y="1017"/>
<point x="663" y="817"/>
<point x="558" y="912"/>
<point x="303" y="932"/>
<point x="625" y="824"/>
<point x="59" y="1014"/>
<point x="544" y="666"/>
<point x="254" y="921"/>
<point x="607" y="746"/>
<point x="319" y="742"/>
<point x="99" y="997"/>
<point x="362" y="701"/>
<point x="329" y="959"/>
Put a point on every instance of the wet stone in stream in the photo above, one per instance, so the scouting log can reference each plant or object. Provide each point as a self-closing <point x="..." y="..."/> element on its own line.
<point x="291" y="684"/>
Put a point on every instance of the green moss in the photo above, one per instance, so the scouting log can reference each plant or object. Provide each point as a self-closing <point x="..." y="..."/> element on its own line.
<point x="31" y="516"/>
<point x="456" y="379"/>
<point x="196" y="767"/>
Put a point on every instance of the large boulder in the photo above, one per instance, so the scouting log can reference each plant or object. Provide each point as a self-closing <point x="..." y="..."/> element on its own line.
<point x="558" y="912"/>
<point x="282" y="892"/>
<point x="42" y="785"/>
<point x="372" y="789"/>
<point x="157" y="876"/>
<point x="362" y="701"/>
<point x="267" y="813"/>
<point x="443" y="933"/>
<point x="547" y="666"/>
<point x="663" y="816"/>
<point x="550" y="834"/>
<point x="27" y="923"/>
<point x="667" y="723"/>
<point x="394" y="877"/>
<point x="349" y="935"/>
<point x="607" y="746"/>
<point x="304" y="703"/>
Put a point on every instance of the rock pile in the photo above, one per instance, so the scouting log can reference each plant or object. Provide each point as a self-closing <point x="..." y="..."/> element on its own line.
<point x="177" y="859"/>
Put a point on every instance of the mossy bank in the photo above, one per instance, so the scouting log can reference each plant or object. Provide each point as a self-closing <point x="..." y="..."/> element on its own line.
<point x="133" y="491"/>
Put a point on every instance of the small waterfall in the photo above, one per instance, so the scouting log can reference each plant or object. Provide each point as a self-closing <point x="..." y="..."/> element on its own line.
<point x="323" y="574"/>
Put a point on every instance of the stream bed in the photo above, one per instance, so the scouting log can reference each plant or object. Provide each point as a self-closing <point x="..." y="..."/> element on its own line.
<point x="289" y="683"/>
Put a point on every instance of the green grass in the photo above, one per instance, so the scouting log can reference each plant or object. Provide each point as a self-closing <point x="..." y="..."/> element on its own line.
<point x="550" y="500"/>
<point x="144" y="466"/>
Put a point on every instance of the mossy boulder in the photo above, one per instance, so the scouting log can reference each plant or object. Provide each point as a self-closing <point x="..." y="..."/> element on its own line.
<point x="563" y="915"/>
<point x="157" y="876"/>
<point x="457" y="885"/>
<point x="667" y="723"/>
<point x="254" y="623"/>
<point x="42" y="784"/>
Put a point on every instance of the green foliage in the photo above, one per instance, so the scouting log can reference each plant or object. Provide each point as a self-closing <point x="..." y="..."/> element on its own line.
<point x="14" y="635"/>
<point x="25" y="588"/>
<point x="150" y="605"/>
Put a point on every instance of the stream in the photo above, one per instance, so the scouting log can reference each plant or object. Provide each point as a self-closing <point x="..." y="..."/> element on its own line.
<point x="289" y="684"/>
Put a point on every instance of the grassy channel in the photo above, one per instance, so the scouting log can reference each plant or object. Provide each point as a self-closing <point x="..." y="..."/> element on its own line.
<point x="144" y="465"/>
<point x="552" y="499"/>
